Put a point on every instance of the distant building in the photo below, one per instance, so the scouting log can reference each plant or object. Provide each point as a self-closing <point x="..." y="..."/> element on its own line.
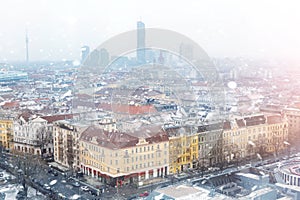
<point x="85" y="51"/>
<point x="186" y="51"/>
<point x="104" y="57"/>
<point x="27" y="48"/>
<point x="8" y="76"/>
<point x="98" y="57"/>
<point x="141" y="42"/>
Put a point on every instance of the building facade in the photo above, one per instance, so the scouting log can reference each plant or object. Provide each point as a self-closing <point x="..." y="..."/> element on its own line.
<point x="33" y="135"/>
<point x="6" y="133"/>
<point x="121" y="158"/>
<point x="254" y="137"/>
<point x="141" y="42"/>
<point x="66" y="143"/>
<point x="183" y="149"/>
<point x="210" y="145"/>
<point x="293" y="116"/>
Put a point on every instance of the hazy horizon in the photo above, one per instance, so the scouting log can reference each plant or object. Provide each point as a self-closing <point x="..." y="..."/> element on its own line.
<point x="58" y="29"/>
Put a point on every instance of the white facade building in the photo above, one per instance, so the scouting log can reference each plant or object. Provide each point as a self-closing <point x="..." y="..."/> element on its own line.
<point x="33" y="135"/>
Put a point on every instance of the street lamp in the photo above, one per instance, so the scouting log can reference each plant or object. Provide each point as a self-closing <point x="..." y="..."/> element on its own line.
<point x="259" y="157"/>
<point x="288" y="147"/>
<point x="252" y="144"/>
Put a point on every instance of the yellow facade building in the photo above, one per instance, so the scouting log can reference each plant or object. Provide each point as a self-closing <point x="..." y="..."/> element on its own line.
<point x="183" y="149"/>
<point x="124" y="157"/>
<point x="6" y="133"/>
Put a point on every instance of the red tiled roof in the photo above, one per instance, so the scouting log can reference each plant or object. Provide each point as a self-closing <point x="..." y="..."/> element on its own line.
<point x="119" y="139"/>
<point x="41" y="99"/>
<point x="54" y="118"/>
<point x="274" y="119"/>
<point x="240" y="123"/>
<point x="26" y="114"/>
<point x="128" y="109"/>
<point x="84" y="96"/>
<point x="199" y="83"/>
<point x="10" y="105"/>
<point x="108" y="139"/>
<point x="159" y="137"/>
<point x="226" y="125"/>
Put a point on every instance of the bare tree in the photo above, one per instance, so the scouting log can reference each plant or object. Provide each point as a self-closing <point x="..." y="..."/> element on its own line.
<point x="25" y="166"/>
<point x="44" y="137"/>
<point x="261" y="147"/>
<point x="276" y="144"/>
<point x="251" y="150"/>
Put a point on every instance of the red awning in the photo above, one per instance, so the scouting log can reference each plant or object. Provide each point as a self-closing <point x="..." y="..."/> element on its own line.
<point x="142" y="173"/>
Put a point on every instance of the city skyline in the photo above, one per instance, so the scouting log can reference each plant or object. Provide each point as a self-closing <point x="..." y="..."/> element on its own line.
<point x="57" y="30"/>
<point x="149" y="100"/>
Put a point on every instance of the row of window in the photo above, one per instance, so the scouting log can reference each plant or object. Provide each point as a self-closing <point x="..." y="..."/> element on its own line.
<point x="230" y="134"/>
<point x="126" y="169"/>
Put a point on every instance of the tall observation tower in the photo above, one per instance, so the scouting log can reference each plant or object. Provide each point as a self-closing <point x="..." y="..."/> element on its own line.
<point x="27" y="53"/>
<point x="140" y="42"/>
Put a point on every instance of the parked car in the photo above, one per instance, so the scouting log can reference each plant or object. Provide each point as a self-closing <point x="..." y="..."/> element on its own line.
<point x="93" y="192"/>
<point x="76" y="184"/>
<point x="46" y="186"/>
<point x="84" y="188"/>
<point x="62" y="196"/>
<point x="145" y="194"/>
<point x="55" y="173"/>
<point x="135" y="196"/>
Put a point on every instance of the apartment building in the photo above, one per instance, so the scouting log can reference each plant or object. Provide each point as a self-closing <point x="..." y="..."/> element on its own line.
<point x="293" y="116"/>
<point x="32" y="134"/>
<point x="124" y="157"/>
<point x="254" y="137"/>
<point x="183" y="149"/>
<point x="66" y="135"/>
<point x="210" y="144"/>
<point x="6" y="133"/>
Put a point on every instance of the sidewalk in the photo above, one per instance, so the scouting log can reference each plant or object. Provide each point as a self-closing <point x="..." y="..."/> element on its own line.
<point x="153" y="181"/>
<point x="58" y="166"/>
<point x="93" y="181"/>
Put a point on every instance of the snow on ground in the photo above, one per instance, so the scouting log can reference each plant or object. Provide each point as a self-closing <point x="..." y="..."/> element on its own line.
<point x="11" y="190"/>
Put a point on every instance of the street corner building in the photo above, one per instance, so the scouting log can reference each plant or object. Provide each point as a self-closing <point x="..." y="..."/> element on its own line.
<point x="123" y="157"/>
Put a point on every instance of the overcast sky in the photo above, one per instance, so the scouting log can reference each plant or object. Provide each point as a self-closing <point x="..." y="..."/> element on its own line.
<point x="58" y="28"/>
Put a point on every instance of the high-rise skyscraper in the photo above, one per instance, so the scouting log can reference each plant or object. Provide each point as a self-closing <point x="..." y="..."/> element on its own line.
<point x="27" y="48"/>
<point x="104" y="57"/>
<point x="140" y="42"/>
<point x="186" y="51"/>
<point x="85" y="51"/>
